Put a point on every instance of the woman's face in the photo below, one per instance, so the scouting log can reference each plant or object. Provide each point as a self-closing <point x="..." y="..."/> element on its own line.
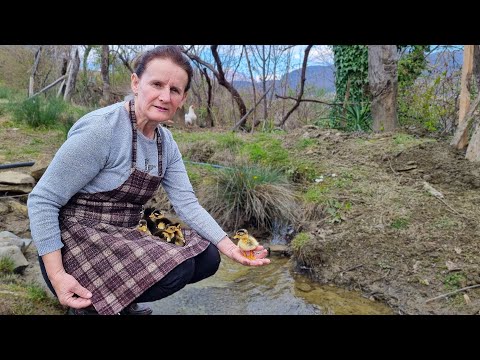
<point x="160" y="90"/>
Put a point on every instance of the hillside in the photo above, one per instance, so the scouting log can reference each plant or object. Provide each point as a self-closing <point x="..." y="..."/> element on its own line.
<point x="369" y="221"/>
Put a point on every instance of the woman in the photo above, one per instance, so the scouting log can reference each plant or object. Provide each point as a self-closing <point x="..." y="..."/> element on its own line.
<point x="85" y="208"/>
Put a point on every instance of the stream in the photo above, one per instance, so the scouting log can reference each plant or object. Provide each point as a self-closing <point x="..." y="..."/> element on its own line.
<point x="274" y="289"/>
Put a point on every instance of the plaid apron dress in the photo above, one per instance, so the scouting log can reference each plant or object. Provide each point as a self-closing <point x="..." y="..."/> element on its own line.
<point x="105" y="252"/>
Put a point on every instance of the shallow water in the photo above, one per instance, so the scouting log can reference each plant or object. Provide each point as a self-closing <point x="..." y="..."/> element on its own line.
<point x="274" y="289"/>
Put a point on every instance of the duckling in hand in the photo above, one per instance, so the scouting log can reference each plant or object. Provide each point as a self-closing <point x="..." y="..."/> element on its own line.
<point x="247" y="243"/>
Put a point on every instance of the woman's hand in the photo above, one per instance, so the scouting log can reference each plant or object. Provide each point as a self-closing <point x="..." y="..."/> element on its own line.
<point x="227" y="247"/>
<point x="68" y="289"/>
<point x="70" y="292"/>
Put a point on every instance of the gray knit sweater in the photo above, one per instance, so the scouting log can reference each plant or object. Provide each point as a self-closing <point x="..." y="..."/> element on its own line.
<point x="96" y="157"/>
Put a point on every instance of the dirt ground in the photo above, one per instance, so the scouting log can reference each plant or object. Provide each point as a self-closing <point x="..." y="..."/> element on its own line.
<point x="384" y="232"/>
<point x="397" y="243"/>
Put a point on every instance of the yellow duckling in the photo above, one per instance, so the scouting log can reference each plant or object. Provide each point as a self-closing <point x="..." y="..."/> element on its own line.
<point x="247" y="243"/>
<point x="156" y="220"/>
<point x="169" y="233"/>
<point x="179" y="238"/>
<point x="173" y="234"/>
<point x="142" y="226"/>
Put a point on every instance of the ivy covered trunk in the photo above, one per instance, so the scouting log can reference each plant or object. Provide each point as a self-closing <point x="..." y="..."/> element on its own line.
<point x="383" y="85"/>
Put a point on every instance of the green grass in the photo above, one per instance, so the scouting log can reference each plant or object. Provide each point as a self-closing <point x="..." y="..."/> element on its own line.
<point x="316" y="194"/>
<point x="400" y="223"/>
<point x="303" y="144"/>
<point x="19" y="297"/>
<point x="299" y="241"/>
<point x="454" y="281"/>
<point x="299" y="246"/>
<point x="6" y="265"/>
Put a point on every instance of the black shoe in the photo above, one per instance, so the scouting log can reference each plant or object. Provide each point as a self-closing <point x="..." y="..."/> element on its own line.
<point x="136" y="309"/>
<point x="85" y="311"/>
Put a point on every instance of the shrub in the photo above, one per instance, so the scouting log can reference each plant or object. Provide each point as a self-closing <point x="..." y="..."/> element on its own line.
<point x="38" y="112"/>
<point x="6" y="265"/>
<point x="249" y="195"/>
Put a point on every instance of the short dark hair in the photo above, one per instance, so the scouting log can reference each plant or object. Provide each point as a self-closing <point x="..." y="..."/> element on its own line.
<point x="171" y="52"/>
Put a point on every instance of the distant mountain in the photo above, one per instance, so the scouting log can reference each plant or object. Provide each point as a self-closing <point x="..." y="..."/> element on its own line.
<point x="446" y="60"/>
<point x="317" y="76"/>
<point x="323" y="76"/>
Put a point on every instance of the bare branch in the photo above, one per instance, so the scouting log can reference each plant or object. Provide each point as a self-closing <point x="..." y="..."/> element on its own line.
<point x="308" y="100"/>
<point x="244" y="118"/>
<point x="302" y="86"/>
<point x="49" y="86"/>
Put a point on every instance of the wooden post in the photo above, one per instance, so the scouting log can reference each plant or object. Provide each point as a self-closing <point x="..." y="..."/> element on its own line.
<point x="465" y="92"/>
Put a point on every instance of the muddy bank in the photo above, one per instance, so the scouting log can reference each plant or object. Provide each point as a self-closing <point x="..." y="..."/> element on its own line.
<point x="395" y="241"/>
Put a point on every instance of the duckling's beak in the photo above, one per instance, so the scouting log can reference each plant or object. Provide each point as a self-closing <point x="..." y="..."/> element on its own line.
<point x="236" y="237"/>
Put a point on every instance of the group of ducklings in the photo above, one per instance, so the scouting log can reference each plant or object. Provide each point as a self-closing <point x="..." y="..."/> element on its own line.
<point x="154" y="222"/>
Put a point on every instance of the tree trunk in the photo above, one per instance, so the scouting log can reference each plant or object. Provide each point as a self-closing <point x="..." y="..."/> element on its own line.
<point x="209" y="119"/>
<point x="476" y="64"/>
<point x="64" y="71"/>
<point x="31" y="83"/>
<point x="72" y="74"/>
<point x="223" y="81"/>
<point x="105" y="75"/>
<point x="464" y="105"/>
<point x="302" y="86"/>
<point x="252" y="78"/>
<point x="465" y="125"/>
<point x="473" y="150"/>
<point x="383" y="81"/>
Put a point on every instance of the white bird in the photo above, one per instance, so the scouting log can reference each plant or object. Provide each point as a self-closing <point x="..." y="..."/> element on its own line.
<point x="190" y="117"/>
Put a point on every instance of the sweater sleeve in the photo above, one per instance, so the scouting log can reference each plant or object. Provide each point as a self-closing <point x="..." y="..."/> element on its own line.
<point x="81" y="157"/>
<point x="182" y="196"/>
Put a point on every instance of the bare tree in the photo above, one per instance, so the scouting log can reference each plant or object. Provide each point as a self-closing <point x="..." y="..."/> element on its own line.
<point x="74" y="66"/>
<point x="220" y="75"/>
<point x="285" y="80"/>
<point x="127" y="54"/>
<point x="209" y="119"/>
<point x="262" y="58"/>
<point x="105" y="75"/>
<point x="65" y="56"/>
<point x="302" y="86"/>
<point x="36" y="60"/>
<point x="253" y="84"/>
<point x="383" y="81"/>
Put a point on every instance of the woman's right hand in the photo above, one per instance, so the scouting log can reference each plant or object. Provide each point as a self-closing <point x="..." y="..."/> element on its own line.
<point x="69" y="291"/>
